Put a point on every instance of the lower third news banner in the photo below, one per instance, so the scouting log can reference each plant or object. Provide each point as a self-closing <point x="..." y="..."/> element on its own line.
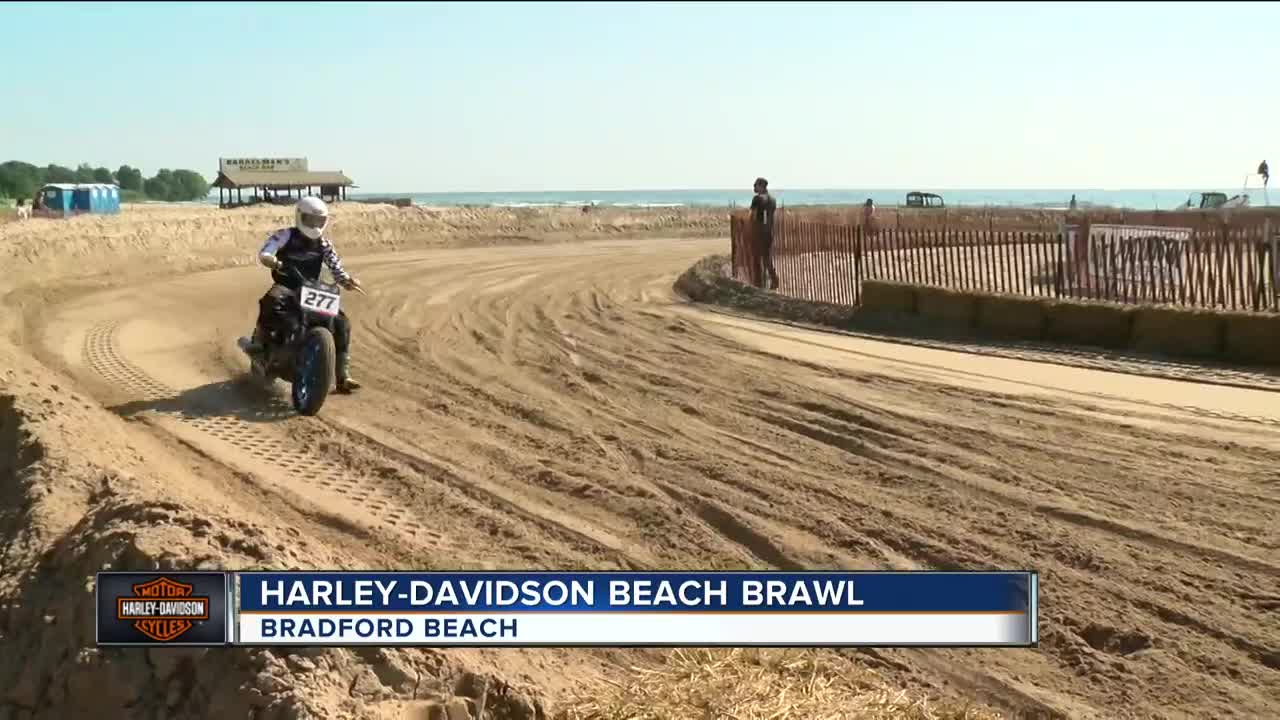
<point x="700" y="609"/>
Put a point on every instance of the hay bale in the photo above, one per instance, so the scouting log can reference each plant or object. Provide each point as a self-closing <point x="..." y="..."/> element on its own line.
<point x="881" y="296"/>
<point x="950" y="307"/>
<point x="1177" y="331"/>
<point x="1084" y="323"/>
<point x="1253" y="339"/>
<point x="756" y="684"/>
<point x="1011" y="317"/>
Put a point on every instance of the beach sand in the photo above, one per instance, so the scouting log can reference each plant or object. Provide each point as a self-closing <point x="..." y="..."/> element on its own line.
<point x="538" y="396"/>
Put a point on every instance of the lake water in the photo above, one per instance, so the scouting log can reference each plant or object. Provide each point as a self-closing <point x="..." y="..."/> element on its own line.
<point x="1136" y="199"/>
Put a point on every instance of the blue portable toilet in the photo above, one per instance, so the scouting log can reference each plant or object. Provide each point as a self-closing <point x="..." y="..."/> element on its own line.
<point x="111" y="201"/>
<point x="82" y="199"/>
<point x="59" y="199"/>
<point x="97" y="198"/>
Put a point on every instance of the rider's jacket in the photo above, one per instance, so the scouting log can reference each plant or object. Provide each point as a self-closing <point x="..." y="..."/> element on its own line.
<point x="296" y="250"/>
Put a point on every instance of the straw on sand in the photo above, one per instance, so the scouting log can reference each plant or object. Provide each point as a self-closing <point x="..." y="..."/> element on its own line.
<point x="756" y="684"/>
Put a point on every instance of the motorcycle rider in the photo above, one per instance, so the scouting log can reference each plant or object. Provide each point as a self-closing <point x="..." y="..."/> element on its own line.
<point x="305" y="248"/>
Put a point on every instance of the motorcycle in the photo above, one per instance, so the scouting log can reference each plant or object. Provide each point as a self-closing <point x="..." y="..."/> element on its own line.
<point x="307" y="357"/>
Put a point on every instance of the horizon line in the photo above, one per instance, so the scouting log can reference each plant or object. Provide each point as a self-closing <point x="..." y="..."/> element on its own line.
<point x="802" y="189"/>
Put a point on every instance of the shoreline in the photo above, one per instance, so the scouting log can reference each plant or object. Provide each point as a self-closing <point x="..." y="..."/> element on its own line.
<point x="408" y="201"/>
<point x="1145" y="200"/>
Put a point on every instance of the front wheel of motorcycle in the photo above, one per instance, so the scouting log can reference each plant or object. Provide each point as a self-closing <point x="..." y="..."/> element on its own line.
<point x="317" y="360"/>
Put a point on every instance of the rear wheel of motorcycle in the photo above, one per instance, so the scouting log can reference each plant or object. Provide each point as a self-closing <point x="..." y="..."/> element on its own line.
<point x="317" y="360"/>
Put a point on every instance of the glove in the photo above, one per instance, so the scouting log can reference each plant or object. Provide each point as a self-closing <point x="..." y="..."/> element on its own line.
<point x="271" y="261"/>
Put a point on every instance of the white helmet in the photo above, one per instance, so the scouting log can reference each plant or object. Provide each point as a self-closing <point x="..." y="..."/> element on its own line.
<point x="311" y="217"/>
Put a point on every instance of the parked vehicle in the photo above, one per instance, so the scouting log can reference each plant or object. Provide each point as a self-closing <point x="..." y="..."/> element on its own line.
<point x="1214" y="201"/>
<point x="924" y="200"/>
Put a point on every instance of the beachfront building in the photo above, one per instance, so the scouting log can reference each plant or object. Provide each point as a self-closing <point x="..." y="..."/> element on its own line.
<point x="247" y="181"/>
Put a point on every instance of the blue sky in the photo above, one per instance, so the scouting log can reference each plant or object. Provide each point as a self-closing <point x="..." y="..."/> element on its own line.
<point x="524" y="96"/>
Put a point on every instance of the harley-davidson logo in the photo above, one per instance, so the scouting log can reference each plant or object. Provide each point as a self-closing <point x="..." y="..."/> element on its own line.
<point x="162" y="609"/>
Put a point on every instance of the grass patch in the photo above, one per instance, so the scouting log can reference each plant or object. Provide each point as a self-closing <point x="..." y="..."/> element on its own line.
<point x="708" y="281"/>
<point x="758" y="684"/>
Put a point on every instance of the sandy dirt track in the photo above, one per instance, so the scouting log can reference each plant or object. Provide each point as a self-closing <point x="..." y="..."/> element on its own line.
<point x="559" y="407"/>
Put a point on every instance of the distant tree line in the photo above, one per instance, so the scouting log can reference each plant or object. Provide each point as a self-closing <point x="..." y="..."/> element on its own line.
<point x="22" y="180"/>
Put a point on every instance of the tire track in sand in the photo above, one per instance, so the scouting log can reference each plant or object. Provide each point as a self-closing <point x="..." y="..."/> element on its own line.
<point x="245" y="444"/>
<point x="662" y="411"/>
<point x="524" y="507"/>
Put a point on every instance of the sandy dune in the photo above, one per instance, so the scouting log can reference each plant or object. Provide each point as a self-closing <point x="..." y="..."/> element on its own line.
<point x="558" y="406"/>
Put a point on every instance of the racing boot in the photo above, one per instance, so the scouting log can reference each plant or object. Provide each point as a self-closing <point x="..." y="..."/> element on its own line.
<point x="345" y="382"/>
<point x="257" y="341"/>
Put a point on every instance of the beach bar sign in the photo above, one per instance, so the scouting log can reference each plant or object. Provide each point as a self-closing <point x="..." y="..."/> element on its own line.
<point x="262" y="164"/>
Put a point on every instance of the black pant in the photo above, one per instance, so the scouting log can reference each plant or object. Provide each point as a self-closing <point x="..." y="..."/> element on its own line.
<point x="276" y="311"/>
<point x="764" y="258"/>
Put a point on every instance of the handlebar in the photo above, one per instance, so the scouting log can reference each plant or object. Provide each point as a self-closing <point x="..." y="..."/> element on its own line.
<point x="296" y="274"/>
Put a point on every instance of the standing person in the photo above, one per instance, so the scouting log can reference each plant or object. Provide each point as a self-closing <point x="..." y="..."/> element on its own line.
<point x="763" y="208"/>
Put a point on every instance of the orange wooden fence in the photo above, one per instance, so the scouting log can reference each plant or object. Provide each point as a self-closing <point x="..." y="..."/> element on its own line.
<point x="1224" y="268"/>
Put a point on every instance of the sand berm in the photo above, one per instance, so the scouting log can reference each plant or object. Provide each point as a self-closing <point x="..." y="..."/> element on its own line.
<point x="106" y="462"/>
